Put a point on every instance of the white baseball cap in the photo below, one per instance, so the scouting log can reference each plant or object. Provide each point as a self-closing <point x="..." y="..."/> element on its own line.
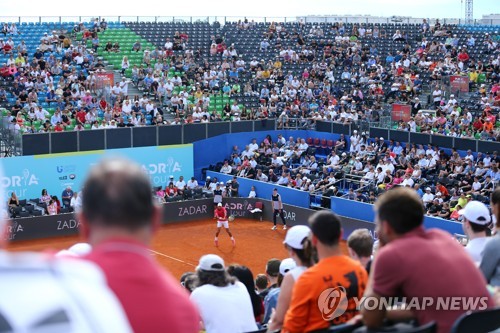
<point x="476" y="212"/>
<point x="211" y="262"/>
<point x="80" y="249"/>
<point x="219" y="205"/>
<point x="287" y="265"/>
<point x="77" y="250"/>
<point x="295" y="236"/>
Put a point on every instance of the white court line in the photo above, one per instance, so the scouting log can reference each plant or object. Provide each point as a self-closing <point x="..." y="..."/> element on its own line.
<point x="169" y="257"/>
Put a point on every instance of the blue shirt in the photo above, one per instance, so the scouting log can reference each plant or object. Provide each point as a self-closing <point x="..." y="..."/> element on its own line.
<point x="397" y="150"/>
<point x="233" y="73"/>
<point x="270" y="303"/>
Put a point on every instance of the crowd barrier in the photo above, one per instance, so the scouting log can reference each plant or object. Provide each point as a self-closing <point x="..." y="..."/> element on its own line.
<point x="264" y="190"/>
<point x="28" y="175"/>
<point x="128" y="137"/>
<point x="348" y="19"/>
<point x="417" y="138"/>
<point x="88" y="140"/>
<point x="176" y="212"/>
<point x="364" y="212"/>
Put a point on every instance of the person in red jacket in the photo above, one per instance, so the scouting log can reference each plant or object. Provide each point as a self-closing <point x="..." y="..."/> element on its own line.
<point x="80" y="117"/>
<point x="463" y="56"/>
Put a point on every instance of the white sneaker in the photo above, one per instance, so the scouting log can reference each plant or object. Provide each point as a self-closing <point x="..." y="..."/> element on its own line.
<point x="284" y="227"/>
<point x="273" y="228"/>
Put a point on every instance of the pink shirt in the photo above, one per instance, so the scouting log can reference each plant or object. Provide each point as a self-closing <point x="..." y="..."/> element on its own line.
<point x="429" y="263"/>
<point x="151" y="298"/>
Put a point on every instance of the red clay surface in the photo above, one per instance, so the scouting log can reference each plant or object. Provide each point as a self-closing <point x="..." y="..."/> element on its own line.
<point x="178" y="247"/>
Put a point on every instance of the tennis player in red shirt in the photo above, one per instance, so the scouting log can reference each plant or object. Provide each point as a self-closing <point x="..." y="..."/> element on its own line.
<point x="220" y="214"/>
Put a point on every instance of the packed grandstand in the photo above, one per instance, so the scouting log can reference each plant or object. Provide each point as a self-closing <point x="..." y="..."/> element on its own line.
<point x="101" y="75"/>
<point x="298" y="73"/>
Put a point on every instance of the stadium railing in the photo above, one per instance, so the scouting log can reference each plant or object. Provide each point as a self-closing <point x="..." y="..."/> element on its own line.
<point x="259" y="19"/>
<point x="364" y="212"/>
<point x="63" y="142"/>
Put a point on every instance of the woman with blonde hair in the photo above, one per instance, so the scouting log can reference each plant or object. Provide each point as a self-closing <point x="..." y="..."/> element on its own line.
<point x="125" y="64"/>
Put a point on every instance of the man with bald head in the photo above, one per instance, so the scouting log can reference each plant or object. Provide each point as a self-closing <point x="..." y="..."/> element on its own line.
<point x="118" y="219"/>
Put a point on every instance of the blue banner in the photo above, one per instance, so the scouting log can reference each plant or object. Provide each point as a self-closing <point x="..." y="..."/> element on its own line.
<point x="28" y="175"/>
<point x="364" y="212"/>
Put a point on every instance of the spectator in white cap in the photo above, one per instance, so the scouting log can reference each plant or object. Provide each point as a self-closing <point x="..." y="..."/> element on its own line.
<point x="76" y="250"/>
<point x="476" y="218"/>
<point x="490" y="263"/>
<point x="382" y="148"/>
<point x="428" y="197"/>
<point x="354" y="142"/>
<point x="452" y="100"/>
<point x="223" y="301"/>
<point x="298" y="244"/>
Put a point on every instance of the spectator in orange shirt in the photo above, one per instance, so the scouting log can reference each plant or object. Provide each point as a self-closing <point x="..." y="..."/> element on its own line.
<point x="488" y="126"/>
<point x="442" y="189"/>
<point x="318" y="288"/>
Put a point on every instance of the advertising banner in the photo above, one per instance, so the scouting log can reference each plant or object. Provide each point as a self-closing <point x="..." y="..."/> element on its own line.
<point x="28" y="175"/>
<point x="459" y="84"/>
<point x="42" y="227"/>
<point x="174" y="212"/>
<point x="401" y="112"/>
<point x="106" y="79"/>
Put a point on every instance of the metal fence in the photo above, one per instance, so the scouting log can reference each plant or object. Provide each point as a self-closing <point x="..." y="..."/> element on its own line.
<point x="227" y="19"/>
<point x="10" y="139"/>
<point x="88" y="140"/>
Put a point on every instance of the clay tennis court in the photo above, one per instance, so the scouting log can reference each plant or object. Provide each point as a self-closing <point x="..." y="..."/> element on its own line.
<point x="177" y="247"/>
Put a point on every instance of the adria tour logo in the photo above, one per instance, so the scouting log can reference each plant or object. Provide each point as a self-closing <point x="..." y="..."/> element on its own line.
<point x="332" y="303"/>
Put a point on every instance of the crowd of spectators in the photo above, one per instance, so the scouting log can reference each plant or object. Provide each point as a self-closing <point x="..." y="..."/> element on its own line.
<point x="284" y="296"/>
<point x="342" y="80"/>
<point x="46" y="204"/>
<point x="361" y="168"/>
<point x="71" y="201"/>
<point x="407" y="261"/>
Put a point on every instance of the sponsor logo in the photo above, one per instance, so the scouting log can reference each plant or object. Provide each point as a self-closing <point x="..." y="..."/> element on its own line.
<point x="26" y="179"/>
<point x="169" y="166"/>
<point x="66" y="168"/>
<point x="289" y="215"/>
<point x="192" y="210"/>
<point x="67" y="224"/>
<point x="238" y="209"/>
<point x="159" y="172"/>
<point x="13" y="229"/>
<point x="72" y="177"/>
<point x="20" y="183"/>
